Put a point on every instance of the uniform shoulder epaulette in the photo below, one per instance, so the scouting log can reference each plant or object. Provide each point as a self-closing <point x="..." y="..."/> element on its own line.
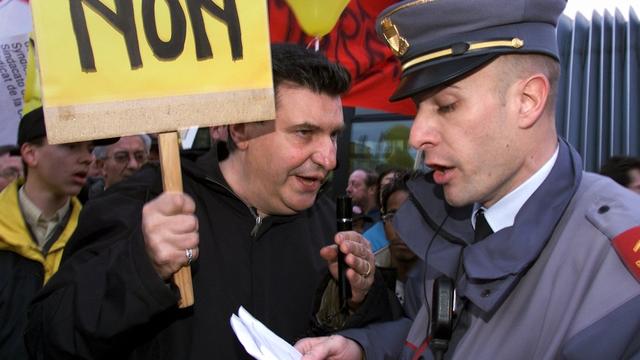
<point x="616" y="214"/>
<point x="627" y="245"/>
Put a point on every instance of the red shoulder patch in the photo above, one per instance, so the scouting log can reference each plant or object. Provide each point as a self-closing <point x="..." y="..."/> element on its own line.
<point x="627" y="246"/>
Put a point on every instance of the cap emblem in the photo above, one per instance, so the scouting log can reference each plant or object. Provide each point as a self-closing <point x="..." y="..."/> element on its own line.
<point x="397" y="43"/>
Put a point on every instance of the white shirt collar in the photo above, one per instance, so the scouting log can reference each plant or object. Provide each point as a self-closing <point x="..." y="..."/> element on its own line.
<point x="503" y="213"/>
<point x="32" y="213"/>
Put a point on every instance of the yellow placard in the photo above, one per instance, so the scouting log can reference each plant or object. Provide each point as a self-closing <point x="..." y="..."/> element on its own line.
<point x="118" y="67"/>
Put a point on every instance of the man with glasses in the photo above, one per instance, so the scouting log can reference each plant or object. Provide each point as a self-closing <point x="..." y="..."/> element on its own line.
<point x="122" y="159"/>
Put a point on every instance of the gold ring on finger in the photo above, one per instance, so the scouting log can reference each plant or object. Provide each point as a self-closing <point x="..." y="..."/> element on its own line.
<point x="368" y="272"/>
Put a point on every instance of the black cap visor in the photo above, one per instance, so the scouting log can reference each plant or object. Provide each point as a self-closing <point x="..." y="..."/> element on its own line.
<point x="429" y="75"/>
<point x="105" y="142"/>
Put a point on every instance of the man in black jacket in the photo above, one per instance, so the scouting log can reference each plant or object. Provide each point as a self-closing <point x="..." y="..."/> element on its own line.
<point x="252" y="223"/>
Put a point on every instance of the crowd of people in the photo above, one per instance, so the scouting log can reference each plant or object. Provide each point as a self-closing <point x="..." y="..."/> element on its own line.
<point x="504" y="249"/>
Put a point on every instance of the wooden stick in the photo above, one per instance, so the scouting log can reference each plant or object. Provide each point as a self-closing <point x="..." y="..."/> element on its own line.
<point x="172" y="182"/>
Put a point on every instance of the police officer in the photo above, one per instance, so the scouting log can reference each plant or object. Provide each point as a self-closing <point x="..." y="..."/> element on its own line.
<point x="541" y="259"/>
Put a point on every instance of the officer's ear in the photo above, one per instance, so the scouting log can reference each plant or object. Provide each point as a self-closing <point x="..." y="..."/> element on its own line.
<point x="533" y="96"/>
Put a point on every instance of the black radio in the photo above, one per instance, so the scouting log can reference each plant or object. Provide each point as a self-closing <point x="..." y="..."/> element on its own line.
<point x="442" y="315"/>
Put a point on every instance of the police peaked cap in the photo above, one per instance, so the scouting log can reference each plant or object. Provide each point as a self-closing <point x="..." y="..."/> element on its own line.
<point x="438" y="41"/>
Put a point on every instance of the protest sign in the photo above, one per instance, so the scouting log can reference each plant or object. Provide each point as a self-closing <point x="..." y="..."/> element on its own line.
<point x="120" y="67"/>
<point x="13" y="62"/>
<point x="15" y="26"/>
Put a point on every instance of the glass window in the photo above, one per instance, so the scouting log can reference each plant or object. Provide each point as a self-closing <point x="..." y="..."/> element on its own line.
<point x="381" y="143"/>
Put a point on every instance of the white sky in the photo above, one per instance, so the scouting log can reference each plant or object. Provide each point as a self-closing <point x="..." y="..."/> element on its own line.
<point x="586" y="7"/>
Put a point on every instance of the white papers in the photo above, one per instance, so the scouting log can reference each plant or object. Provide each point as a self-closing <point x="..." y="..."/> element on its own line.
<point x="259" y="341"/>
<point x="187" y="137"/>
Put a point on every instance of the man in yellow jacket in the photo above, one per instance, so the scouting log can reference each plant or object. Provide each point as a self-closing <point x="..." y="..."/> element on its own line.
<point x="38" y="214"/>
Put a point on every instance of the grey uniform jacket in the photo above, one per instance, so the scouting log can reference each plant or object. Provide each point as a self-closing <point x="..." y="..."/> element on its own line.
<point x="574" y="299"/>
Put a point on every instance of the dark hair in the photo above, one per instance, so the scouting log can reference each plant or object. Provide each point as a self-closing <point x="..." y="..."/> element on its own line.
<point x="310" y="69"/>
<point x="291" y="63"/>
<point x="385" y="172"/>
<point x="618" y="167"/>
<point x="398" y="183"/>
<point x="9" y="149"/>
<point x="371" y="179"/>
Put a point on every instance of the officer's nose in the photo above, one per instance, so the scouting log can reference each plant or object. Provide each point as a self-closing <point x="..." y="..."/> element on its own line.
<point x="424" y="131"/>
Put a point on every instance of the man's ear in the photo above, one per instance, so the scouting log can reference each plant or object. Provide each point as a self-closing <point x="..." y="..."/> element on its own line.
<point x="243" y="133"/>
<point x="29" y="153"/>
<point x="239" y="133"/>
<point x="533" y="98"/>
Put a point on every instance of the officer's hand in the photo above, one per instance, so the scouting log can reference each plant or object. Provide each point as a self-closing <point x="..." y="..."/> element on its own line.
<point x="333" y="347"/>
<point x="170" y="228"/>
<point x="359" y="259"/>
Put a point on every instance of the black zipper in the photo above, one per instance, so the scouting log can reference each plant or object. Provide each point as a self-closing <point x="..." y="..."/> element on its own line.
<point x="252" y="210"/>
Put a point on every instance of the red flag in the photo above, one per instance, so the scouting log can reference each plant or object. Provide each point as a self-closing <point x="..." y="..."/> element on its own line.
<point x="354" y="44"/>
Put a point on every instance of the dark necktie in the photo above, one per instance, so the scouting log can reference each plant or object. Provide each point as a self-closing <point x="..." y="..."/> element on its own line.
<point x="482" y="227"/>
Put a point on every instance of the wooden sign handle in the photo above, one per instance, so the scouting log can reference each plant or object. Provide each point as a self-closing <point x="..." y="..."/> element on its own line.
<point x="172" y="182"/>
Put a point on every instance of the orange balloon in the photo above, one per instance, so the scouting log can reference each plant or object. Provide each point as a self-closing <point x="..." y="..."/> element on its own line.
<point x="317" y="17"/>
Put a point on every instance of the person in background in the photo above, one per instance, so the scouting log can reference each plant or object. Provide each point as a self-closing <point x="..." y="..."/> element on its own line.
<point x="94" y="184"/>
<point x="122" y="159"/>
<point x="115" y="163"/>
<point x="387" y="177"/>
<point x="526" y="254"/>
<point x="363" y="192"/>
<point x="154" y="150"/>
<point x="403" y="271"/>
<point x="38" y="215"/>
<point x="251" y="223"/>
<point x="94" y="170"/>
<point x="376" y="234"/>
<point x="625" y="170"/>
<point x="359" y="221"/>
<point x="218" y="133"/>
<point x="10" y="165"/>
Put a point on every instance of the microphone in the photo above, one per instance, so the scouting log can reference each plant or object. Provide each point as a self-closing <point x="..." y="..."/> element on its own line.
<point x="343" y="214"/>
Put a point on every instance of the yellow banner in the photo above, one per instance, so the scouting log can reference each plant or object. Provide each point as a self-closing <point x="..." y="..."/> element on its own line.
<point x="151" y="53"/>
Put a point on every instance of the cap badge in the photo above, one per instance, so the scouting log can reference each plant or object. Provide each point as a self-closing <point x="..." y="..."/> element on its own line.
<point x="397" y="43"/>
